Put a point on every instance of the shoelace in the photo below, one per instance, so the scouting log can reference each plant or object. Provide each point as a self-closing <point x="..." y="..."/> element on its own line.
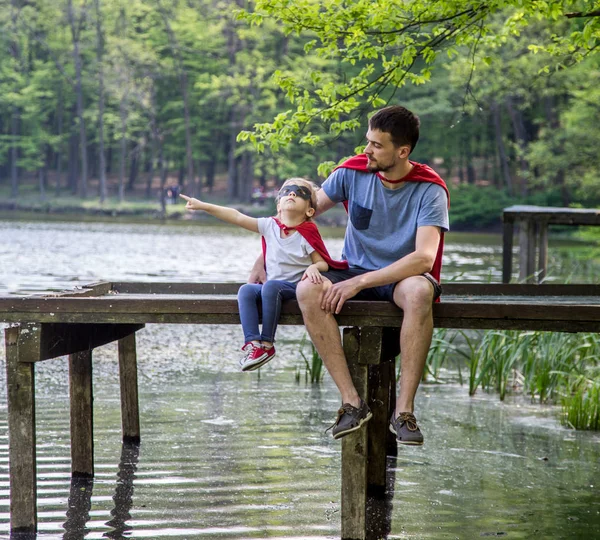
<point x="345" y="408"/>
<point x="408" y="419"/>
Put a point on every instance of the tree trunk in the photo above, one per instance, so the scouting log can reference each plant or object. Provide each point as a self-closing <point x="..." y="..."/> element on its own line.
<point x="232" y="170"/>
<point x="73" y="163"/>
<point x="59" y="153"/>
<point x="246" y="177"/>
<point x="210" y="175"/>
<point x="163" y="177"/>
<point x="516" y="118"/>
<point x="501" y="149"/>
<point x="150" y="171"/>
<point x="183" y="83"/>
<point x="14" y="155"/>
<point x="15" y="52"/>
<point x="79" y="95"/>
<point x="133" y="169"/>
<point x="100" y="59"/>
<point x="123" y="151"/>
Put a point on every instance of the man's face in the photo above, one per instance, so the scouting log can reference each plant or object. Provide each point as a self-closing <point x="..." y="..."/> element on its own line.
<point x="383" y="155"/>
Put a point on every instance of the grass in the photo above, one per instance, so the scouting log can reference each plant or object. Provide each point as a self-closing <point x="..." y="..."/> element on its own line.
<point x="313" y="363"/>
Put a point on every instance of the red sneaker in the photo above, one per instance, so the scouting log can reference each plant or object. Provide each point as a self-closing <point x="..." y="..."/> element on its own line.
<point x="258" y="357"/>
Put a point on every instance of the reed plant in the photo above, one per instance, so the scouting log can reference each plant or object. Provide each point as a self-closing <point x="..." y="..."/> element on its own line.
<point x="313" y="363"/>
<point x="581" y="408"/>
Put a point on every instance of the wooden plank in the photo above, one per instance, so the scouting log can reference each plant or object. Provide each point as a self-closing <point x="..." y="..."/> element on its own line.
<point x="354" y="449"/>
<point x="175" y="288"/>
<point x="59" y="339"/>
<point x="554" y="216"/>
<point x="21" y="435"/>
<point x="81" y="398"/>
<point x="130" y="414"/>
<point x="507" y="251"/>
<point x="93" y="289"/>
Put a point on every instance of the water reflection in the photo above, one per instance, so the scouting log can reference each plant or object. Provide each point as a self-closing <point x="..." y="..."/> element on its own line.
<point x="380" y="503"/>
<point x="123" y="497"/>
<point x="80" y="500"/>
<point x="78" y="512"/>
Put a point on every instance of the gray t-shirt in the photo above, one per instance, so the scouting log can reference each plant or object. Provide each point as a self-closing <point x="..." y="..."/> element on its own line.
<point x="287" y="258"/>
<point x="383" y="222"/>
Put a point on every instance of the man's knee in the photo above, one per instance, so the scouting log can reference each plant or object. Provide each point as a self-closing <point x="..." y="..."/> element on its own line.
<point x="309" y="294"/>
<point x="414" y="294"/>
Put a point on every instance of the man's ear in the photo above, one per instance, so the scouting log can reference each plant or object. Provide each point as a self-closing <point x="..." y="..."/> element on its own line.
<point x="404" y="151"/>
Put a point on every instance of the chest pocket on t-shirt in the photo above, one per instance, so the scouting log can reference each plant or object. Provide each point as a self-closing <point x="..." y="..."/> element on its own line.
<point x="360" y="216"/>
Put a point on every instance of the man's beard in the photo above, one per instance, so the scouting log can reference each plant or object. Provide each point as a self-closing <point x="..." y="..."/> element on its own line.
<point x="380" y="167"/>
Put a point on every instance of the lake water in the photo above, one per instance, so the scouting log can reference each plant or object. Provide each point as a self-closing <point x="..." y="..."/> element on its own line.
<point x="227" y="455"/>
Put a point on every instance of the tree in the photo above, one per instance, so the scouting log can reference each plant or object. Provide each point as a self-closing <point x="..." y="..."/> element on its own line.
<point x="394" y="43"/>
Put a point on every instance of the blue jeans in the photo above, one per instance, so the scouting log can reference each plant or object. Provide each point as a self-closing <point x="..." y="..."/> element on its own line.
<point x="267" y="298"/>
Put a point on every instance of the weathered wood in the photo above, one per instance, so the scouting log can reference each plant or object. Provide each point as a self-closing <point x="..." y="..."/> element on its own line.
<point x="21" y="429"/>
<point x="543" y="251"/>
<point x="534" y="221"/>
<point x="523" y="249"/>
<point x="355" y="449"/>
<point x="554" y="216"/>
<point x="507" y="249"/>
<point x="382" y="382"/>
<point x="175" y="288"/>
<point x="130" y="415"/>
<point x="531" y="251"/>
<point x="58" y="339"/>
<point x="81" y="399"/>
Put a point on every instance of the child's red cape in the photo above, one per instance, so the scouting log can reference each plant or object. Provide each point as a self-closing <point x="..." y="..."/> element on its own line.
<point x="419" y="173"/>
<point x="311" y="234"/>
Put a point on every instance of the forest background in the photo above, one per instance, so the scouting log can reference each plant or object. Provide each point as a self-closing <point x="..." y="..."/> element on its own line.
<point x="110" y="102"/>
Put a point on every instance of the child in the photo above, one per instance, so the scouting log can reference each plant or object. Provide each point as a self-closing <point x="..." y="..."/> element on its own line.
<point x="293" y="250"/>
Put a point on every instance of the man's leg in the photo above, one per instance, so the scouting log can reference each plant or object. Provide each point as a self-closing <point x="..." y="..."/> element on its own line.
<point x="414" y="296"/>
<point x="325" y="334"/>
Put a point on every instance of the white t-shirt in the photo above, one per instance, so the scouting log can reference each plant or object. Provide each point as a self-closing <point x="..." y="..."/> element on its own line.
<point x="287" y="258"/>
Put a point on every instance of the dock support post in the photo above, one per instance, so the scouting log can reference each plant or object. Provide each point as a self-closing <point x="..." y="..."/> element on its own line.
<point x="507" y="248"/>
<point x="355" y="449"/>
<point x="543" y="255"/>
<point x="527" y="250"/>
<point x="21" y="429"/>
<point x="130" y="415"/>
<point x="370" y="353"/>
<point x="81" y="397"/>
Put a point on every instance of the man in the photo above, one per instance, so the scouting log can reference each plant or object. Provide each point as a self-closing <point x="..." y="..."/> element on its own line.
<point x="398" y="212"/>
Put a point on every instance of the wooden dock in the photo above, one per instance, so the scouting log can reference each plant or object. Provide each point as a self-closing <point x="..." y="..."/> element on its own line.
<point x="75" y="322"/>
<point x="533" y="222"/>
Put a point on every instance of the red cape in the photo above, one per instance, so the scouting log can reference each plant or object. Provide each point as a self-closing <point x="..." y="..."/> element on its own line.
<point x="419" y="173"/>
<point x="311" y="234"/>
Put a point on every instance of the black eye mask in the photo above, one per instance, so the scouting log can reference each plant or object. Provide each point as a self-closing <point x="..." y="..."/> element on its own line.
<point x="300" y="191"/>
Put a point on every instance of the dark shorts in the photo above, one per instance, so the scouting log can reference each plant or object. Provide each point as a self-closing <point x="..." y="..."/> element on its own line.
<point x="384" y="292"/>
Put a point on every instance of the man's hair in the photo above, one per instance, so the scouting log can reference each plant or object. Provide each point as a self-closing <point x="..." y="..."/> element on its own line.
<point x="306" y="183"/>
<point x="400" y="123"/>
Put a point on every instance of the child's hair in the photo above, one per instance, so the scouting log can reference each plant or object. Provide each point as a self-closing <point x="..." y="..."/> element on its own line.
<point x="306" y="183"/>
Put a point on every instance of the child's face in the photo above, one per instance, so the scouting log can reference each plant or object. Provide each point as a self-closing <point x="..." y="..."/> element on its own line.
<point x="295" y="198"/>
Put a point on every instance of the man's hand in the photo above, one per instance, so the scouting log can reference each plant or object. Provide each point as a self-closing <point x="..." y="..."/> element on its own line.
<point x="335" y="297"/>
<point x="312" y="273"/>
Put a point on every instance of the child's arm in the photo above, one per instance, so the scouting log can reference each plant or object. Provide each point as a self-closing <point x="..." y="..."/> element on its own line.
<point x="230" y="215"/>
<point x="313" y="272"/>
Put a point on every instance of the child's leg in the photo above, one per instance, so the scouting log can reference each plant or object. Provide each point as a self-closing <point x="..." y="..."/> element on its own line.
<point x="273" y="294"/>
<point x="248" y="299"/>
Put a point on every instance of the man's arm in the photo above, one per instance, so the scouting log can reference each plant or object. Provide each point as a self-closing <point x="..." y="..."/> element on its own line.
<point x="414" y="264"/>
